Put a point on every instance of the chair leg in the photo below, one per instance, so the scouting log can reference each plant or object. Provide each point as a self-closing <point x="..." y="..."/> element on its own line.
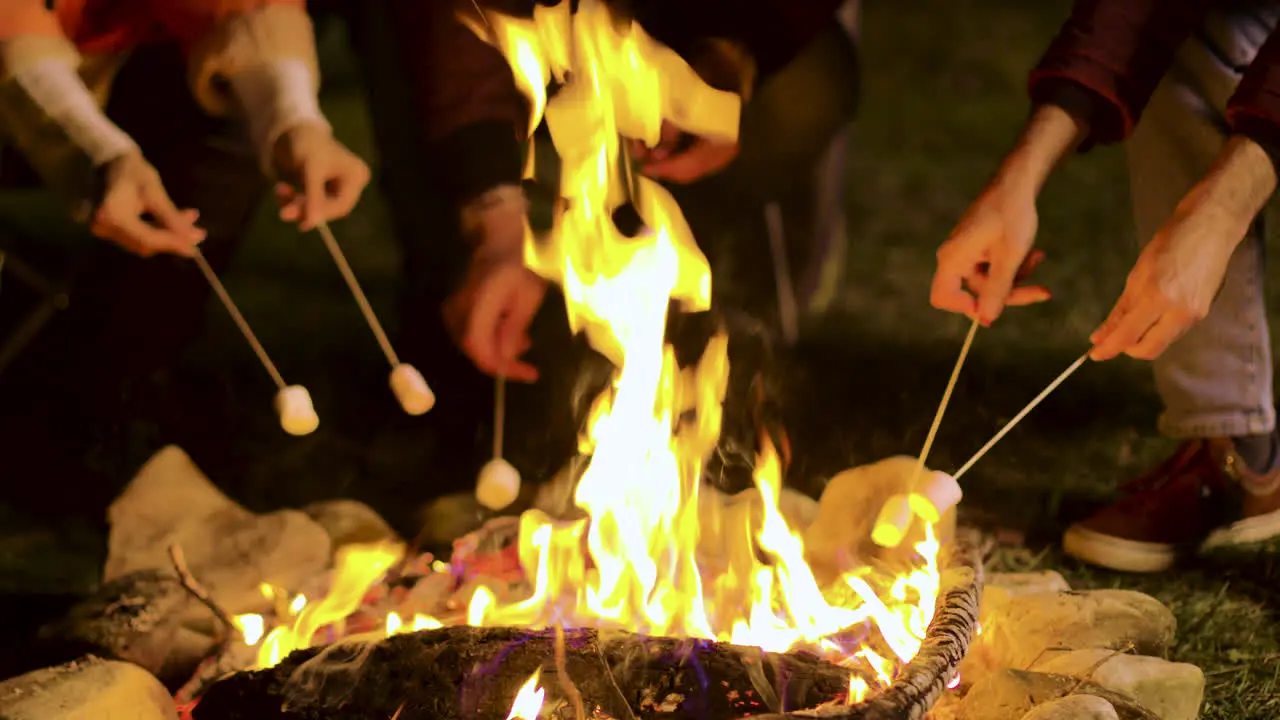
<point x="53" y="298"/>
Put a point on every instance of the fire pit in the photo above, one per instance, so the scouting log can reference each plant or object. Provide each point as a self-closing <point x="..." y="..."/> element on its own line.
<point x="654" y="595"/>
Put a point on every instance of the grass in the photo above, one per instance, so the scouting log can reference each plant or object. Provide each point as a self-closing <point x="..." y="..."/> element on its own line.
<point x="943" y="96"/>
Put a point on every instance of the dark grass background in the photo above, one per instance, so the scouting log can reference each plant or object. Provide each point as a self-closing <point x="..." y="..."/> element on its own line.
<point x="943" y="97"/>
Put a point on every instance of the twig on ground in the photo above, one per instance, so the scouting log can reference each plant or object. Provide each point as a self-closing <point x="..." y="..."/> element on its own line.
<point x="566" y="682"/>
<point x="191" y="585"/>
<point x="398" y="711"/>
<point x="1094" y="668"/>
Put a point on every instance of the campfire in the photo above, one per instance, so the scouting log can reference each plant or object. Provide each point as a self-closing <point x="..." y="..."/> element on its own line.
<point x="656" y="595"/>
<point x="646" y="554"/>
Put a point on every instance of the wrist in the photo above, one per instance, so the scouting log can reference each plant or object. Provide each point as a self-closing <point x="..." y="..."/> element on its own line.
<point x="494" y="224"/>
<point x="276" y="97"/>
<point x="1240" y="182"/>
<point x="1050" y="134"/>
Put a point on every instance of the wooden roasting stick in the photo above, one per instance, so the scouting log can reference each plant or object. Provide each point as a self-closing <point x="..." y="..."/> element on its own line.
<point x="293" y="402"/>
<point x="1023" y="413"/>
<point x="941" y="492"/>
<point x="498" y="484"/>
<point x="408" y="385"/>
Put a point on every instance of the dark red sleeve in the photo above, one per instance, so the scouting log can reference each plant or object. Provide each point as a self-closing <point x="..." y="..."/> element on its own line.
<point x="773" y="31"/>
<point x="1109" y="57"/>
<point x="472" y="112"/>
<point x="1254" y="109"/>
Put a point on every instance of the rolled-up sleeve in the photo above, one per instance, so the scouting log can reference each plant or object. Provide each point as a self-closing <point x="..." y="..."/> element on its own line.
<point x="1108" y="58"/>
<point x="472" y="113"/>
<point x="1254" y="109"/>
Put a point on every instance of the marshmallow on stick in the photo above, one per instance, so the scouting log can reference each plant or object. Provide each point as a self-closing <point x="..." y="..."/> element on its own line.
<point x="407" y="384"/>
<point x="498" y="484"/>
<point x="293" y="403"/>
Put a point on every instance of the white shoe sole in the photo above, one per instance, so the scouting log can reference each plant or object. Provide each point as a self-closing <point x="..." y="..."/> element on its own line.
<point x="1245" y="532"/>
<point x="1116" y="553"/>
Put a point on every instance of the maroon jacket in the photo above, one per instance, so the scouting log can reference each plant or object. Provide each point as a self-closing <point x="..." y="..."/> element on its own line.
<point x="1108" y="58"/>
<point x="473" y="115"/>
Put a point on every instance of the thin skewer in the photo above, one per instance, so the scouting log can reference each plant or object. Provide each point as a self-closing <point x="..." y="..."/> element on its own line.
<point x="240" y="322"/>
<point x="499" y="412"/>
<point x="1017" y="418"/>
<point x="365" y="308"/>
<point x="946" y="399"/>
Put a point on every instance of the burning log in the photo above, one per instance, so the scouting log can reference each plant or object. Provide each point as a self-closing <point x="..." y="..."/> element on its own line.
<point x="465" y="672"/>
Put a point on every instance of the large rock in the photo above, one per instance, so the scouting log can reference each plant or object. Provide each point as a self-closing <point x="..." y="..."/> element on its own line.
<point x="350" y="522"/>
<point x="87" y="689"/>
<point x="1017" y="630"/>
<point x="1026" y="583"/>
<point x="839" y="538"/>
<point x="1171" y="690"/>
<point x="228" y="549"/>
<point x="1074" y="707"/>
<point x="1011" y="694"/>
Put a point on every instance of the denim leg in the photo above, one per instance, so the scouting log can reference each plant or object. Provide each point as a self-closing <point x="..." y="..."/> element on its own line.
<point x="1216" y="381"/>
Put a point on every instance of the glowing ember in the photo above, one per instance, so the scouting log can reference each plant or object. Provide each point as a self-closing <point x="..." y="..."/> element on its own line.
<point x="632" y="562"/>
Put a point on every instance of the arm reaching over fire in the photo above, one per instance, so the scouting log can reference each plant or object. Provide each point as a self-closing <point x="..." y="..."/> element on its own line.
<point x="473" y="117"/>
<point x="1090" y="87"/>
<point x="733" y="46"/>
<point x="258" y="58"/>
<point x="53" y="117"/>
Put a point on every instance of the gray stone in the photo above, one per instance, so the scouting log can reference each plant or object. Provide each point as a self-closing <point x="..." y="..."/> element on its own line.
<point x="86" y="689"/>
<point x="228" y="549"/>
<point x="1018" y="629"/>
<point x="1011" y="694"/>
<point x="1074" y="707"/>
<point x="1174" y="691"/>
<point x="349" y="522"/>
<point x="839" y="538"/>
<point x="1028" y="583"/>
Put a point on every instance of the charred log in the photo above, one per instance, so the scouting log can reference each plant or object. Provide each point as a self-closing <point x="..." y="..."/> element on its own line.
<point x="464" y="672"/>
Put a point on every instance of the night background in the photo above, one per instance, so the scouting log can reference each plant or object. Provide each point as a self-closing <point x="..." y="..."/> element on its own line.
<point x="943" y="94"/>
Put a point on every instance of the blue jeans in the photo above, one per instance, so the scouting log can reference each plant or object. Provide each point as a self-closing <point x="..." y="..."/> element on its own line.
<point x="1216" y="381"/>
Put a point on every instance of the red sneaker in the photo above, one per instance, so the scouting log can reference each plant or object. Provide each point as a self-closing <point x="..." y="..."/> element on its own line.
<point x="1203" y="496"/>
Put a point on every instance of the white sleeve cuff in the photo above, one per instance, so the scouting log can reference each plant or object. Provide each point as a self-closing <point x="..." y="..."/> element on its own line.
<point x="275" y="97"/>
<point x="61" y="97"/>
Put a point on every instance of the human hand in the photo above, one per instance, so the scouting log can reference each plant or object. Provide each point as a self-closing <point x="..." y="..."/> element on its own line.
<point x="137" y="214"/>
<point x="982" y="264"/>
<point x="682" y="157"/>
<point x="1173" y="283"/>
<point x="324" y="178"/>
<point x="489" y="316"/>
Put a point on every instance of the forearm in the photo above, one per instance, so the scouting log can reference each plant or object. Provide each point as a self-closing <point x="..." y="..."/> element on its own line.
<point x="48" y="114"/>
<point x="1237" y="186"/>
<point x="1116" y="52"/>
<point x="259" y="63"/>
<point x="1048" y="137"/>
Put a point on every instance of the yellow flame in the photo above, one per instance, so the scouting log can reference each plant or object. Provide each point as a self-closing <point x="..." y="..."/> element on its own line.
<point x="356" y="568"/>
<point x="251" y="626"/>
<point x="528" y="702"/>
<point x="858" y="690"/>
<point x="646" y="454"/>
<point x="632" y="560"/>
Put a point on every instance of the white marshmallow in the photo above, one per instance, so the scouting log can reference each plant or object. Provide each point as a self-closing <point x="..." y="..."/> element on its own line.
<point x="893" y="521"/>
<point x="411" y="389"/>
<point x="498" y="484"/>
<point x="297" y="414"/>
<point x="935" y="494"/>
